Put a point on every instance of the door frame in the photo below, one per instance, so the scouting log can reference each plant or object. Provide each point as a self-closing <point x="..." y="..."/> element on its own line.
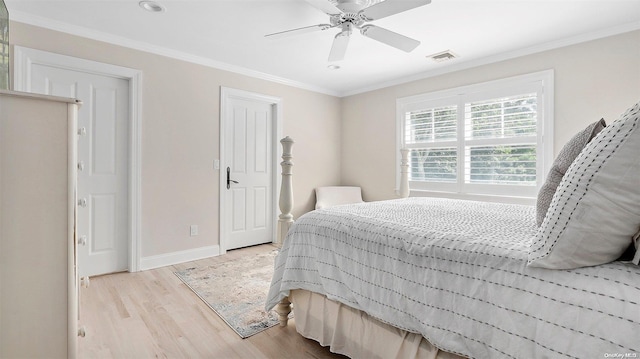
<point x="226" y="94"/>
<point x="25" y="57"/>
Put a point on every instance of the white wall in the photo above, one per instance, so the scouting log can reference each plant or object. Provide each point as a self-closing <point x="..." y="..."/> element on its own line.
<point x="180" y="136"/>
<point x="594" y="79"/>
<point x="349" y="140"/>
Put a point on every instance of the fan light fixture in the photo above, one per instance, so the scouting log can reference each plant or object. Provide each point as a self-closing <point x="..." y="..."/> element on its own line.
<point x="151" y="6"/>
<point x="350" y="15"/>
<point x="333" y="67"/>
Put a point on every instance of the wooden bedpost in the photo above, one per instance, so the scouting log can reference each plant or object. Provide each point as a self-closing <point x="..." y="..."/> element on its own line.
<point x="285" y="219"/>
<point x="283" y="309"/>
<point x="404" y="173"/>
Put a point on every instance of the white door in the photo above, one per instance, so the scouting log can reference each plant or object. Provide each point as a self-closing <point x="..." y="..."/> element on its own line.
<point x="249" y="194"/>
<point x="103" y="217"/>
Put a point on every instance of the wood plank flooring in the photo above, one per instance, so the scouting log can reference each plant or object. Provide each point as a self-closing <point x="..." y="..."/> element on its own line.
<point x="152" y="314"/>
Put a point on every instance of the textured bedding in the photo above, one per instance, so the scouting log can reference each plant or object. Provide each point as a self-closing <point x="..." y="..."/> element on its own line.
<point x="455" y="272"/>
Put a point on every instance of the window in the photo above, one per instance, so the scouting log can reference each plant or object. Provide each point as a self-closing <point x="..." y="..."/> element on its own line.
<point x="484" y="139"/>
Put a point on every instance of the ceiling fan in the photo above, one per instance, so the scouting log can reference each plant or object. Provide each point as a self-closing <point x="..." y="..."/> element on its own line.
<point x="350" y="14"/>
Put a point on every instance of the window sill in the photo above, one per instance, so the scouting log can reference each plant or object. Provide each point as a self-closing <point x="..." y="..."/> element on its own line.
<point x="531" y="201"/>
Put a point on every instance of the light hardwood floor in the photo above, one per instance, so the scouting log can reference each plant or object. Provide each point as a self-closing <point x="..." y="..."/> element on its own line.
<point x="152" y="314"/>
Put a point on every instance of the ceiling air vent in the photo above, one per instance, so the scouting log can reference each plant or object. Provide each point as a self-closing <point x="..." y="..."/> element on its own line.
<point x="443" y="56"/>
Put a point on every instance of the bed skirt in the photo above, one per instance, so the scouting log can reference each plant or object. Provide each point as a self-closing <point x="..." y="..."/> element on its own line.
<point x="355" y="334"/>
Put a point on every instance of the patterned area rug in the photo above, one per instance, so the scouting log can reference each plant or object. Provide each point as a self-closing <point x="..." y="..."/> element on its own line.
<point x="236" y="290"/>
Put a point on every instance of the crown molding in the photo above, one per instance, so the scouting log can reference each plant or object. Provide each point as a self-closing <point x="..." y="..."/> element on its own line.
<point x="92" y="34"/>
<point x="187" y="57"/>
<point x="616" y="30"/>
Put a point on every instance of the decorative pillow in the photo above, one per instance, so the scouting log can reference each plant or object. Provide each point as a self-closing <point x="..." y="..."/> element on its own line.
<point x="636" y="243"/>
<point x="561" y="164"/>
<point x="595" y="211"/>
<point x="337" y="195"/>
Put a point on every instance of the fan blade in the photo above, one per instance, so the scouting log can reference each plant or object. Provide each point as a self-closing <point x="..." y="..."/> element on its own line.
<point x="324" y="6"/>
<point x="298" y="31"/>
<point x="339" y="47"/>
<point x="390" y="38"/>
<point x="391" y="7"/>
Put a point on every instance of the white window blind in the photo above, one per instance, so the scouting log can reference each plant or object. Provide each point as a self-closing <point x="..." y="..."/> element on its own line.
<point x="507" y="165"/>
<point x="510" y="124"/>
<point x="480" y="139"/>
<point x="430" y="129"/>
<point x="503" y="117"/>
<point x="431" y="125"/>
<point x="437" y="164"/>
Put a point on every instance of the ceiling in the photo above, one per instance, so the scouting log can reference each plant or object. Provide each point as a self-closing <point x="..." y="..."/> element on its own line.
<point x="229" y="34"/>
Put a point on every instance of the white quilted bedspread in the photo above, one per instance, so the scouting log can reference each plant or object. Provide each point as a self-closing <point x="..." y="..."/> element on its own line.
<point x="455" y="271"/>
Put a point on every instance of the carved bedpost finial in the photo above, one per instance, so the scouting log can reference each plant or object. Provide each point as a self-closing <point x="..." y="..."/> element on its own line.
<point x="404" y="173"/>
<point x="285" y="219"/>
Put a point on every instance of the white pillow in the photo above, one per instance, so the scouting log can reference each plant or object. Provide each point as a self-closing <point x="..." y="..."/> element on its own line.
<point x="595" y="211"/>
<point x="337" y="195"/>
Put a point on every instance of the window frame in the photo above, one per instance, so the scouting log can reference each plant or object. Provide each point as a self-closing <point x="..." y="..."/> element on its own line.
<point x="538" y="82"/>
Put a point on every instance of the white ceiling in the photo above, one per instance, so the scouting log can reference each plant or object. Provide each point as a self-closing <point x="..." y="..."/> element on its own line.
<point x="230" y="34"/>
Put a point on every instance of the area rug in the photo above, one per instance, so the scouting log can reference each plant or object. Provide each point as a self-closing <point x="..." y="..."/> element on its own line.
<point x="236" y="290"/>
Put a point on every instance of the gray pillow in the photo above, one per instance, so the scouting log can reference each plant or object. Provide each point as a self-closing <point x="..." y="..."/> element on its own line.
<point x="636" y="243"/>
<point x="569" y="152"/>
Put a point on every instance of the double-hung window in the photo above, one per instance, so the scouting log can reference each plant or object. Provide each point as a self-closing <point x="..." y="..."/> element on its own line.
<point x="487" y="139"/>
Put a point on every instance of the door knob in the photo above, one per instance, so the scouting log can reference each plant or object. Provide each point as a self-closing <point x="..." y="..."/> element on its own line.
<point x="82" y="240"/>
<point x="81" y="166"/>
<point x="82" y="202"/>
<point x="82" y="131"/>
<point x="229" y="180"/>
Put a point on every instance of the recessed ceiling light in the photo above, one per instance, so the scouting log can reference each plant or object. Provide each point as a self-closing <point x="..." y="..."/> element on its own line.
<point x="151" y="6"/>
<point x="333" y="67"/>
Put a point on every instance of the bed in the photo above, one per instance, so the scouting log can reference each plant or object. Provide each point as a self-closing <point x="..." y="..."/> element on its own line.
<point x="433" y="277"/>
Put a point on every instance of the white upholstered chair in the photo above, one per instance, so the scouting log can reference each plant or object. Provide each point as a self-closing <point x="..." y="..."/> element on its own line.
<point x="336" y="195"/>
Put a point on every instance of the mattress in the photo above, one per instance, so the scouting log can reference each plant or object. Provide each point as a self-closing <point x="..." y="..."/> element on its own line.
<point x="455" y="272"/>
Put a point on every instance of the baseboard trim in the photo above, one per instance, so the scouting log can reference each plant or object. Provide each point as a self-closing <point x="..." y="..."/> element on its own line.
<point x="163" y="260"/>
